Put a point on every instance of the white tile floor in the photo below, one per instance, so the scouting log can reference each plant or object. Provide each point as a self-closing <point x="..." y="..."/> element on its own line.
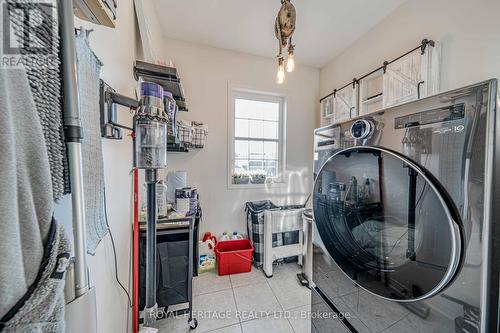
<point x="247" y="303"/>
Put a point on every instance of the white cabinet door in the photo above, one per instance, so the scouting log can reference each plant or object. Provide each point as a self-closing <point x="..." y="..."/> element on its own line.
<point x="430" y="68"/>
<point x="401" y="80"/>
<point x="414" y="76"/>
<point x="346" y="103"/>
<point x="327" y="106"/>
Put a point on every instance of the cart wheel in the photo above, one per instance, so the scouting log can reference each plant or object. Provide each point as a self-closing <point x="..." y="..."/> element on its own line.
<point x="193" y="323"/>
<point x="302" y="279"/>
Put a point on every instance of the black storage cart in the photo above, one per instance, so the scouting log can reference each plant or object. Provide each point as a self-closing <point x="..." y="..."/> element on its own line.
<point x="177" y="240"/>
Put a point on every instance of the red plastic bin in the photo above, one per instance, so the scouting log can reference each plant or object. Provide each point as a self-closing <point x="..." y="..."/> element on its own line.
<point x="234" y="256"/>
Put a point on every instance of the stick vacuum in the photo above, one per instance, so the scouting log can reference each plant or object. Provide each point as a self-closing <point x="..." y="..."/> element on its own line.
<point x="150" y="155"/>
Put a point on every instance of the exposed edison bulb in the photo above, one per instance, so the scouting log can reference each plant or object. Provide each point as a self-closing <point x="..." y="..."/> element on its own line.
<point x="290" y="63"/>
<point x="280" y="76"/>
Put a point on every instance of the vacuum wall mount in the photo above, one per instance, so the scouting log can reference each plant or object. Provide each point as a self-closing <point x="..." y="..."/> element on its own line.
<point x="108" y="101"/>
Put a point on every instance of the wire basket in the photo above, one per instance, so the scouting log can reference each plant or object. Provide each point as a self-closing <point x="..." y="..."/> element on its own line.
<point x="185" y="133"/>
<point x="200" y="134"/>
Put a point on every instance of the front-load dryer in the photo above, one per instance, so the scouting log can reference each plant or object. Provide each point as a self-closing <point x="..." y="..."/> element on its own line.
<point x="404" y="206"/>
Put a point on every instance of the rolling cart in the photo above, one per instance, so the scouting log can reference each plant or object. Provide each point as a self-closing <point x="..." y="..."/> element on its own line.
<point x="175" y="252"/>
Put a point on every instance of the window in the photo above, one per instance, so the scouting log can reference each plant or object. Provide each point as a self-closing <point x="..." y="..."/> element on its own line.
<point x="256" y="135"/>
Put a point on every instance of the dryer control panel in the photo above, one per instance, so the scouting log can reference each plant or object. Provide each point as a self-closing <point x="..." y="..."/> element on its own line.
<point x="453" y="112"/>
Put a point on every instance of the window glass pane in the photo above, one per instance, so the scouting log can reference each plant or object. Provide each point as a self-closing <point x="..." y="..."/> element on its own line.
<point x="240" y="165"/>
<point x="271" y="167"/>
<point x="271" y="111"/>
<point x="259" y="122"/>
<point x="271" y="150"/>
<point x="245" y="108"/>
<point x="270" y="130"/>
<point x="255" y="165"/>
<point x="241" y="128"/>
<point x="256" y="129"/>
<point x="241" y="149"/>
<point x="256" y="149"/>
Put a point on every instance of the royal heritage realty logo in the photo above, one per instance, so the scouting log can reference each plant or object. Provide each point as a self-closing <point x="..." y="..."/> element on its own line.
<point x="28" y="34"/>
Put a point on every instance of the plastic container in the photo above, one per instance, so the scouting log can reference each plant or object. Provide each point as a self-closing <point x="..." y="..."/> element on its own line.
<point x="224" y="237"/>
<point x="208" y="236"/>
<point x="161" y="200"/>
<point x="151" y="144"/>
<point x="151" y="129"/>
<point x="236" y="236"/>
<point x="206" y="247"/>
<point x="193" y="202"/>
<point x="206" y="260"/>
<point x="183" y="200"/>
<point x="169" y="105"/>
<point x="234" y="256"/>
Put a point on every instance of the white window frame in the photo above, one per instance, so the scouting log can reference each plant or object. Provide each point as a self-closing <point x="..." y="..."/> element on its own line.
<point x="249" y="94"/>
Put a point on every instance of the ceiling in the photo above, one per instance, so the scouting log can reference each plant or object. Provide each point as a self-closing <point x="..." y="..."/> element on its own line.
<point x="324" y="27"/>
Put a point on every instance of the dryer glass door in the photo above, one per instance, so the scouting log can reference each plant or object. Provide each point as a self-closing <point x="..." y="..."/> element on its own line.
<point x="387" y="223"/>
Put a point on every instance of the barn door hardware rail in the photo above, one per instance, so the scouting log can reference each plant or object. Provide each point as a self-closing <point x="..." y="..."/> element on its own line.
<point x="423" y="45"/>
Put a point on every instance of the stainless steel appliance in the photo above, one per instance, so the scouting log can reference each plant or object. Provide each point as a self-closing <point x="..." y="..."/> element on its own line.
<point x="404" y="204"/>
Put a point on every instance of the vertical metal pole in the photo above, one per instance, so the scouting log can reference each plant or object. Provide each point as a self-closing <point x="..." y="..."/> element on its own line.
<point x="151" y="306"/>
<point x="74" y="136"/>
<point x="190" y="268"/>
<point x="412" y="197"/>
<point x="135" y="298"/>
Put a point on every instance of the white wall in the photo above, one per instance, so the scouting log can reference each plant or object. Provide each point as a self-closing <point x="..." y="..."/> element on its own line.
<point x="206" y="75"/>
<point x="467" y="29"/>
<point x="116" y="48"/>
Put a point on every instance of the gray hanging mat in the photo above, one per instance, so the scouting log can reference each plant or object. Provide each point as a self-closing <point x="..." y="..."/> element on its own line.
<point x="44" y="77"/>
<point x="88" y="70"/>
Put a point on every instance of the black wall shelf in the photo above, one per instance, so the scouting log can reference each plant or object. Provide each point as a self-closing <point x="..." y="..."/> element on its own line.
<point x="177" y="148"/>
<point x="165" y="76"/>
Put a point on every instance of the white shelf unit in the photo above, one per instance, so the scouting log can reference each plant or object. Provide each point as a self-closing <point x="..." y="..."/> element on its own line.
<point x="327" y="106"/>
<point x="341" y="106"/>
<point x="413" y="76"/>
<point x="371" y="93"/>
<point x="346" y="103"/>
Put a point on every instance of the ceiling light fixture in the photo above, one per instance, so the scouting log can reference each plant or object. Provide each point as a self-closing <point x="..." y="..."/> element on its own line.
<point x="283" y="29"/>
<point x="280" y="76"/>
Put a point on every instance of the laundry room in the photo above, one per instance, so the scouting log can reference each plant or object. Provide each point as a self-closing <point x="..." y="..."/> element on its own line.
<point x="229" y="166"/>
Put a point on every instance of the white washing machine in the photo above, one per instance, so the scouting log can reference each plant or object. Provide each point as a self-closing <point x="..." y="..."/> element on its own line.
<point x="404" y="206"/>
